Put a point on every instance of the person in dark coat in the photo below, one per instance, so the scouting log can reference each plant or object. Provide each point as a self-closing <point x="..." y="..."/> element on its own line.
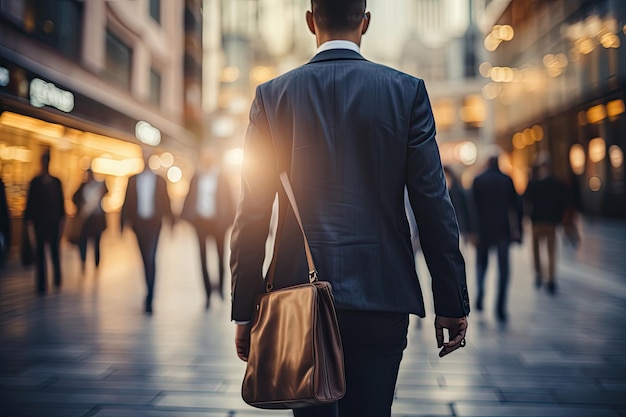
<point x="351" y="136"/>
<point x="497" y="210"/>
<point x="5" y="225"/>
<point x="146" y="205"/>
<point x="546" y="199"/>
<point x="209" y="207"/>
<point x="45" y="211"/>
<point x="88" y="201"/>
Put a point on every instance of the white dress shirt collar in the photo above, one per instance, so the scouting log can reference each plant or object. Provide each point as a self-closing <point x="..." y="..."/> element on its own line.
<point x="339" y="44"/>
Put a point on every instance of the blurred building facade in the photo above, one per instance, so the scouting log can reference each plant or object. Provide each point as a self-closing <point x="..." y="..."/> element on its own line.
<point x="557" y="79"/>
<point x="92" y="81"/>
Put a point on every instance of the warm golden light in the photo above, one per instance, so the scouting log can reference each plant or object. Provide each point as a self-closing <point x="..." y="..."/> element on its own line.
<point x="167" y="159"/>
<point x="18" y="121"/>
<point x="528" y="136"/>
<point x="518" y="141"/>
<point x="15" y="153"/>
<point x="577" y="159"/>
<point x="597" y="150"/>
<point x="505" y="33"/>
<point x="538" y="133"/>
<point x="609" y="40"/>
<point x="154" y="162"/>
<point x="484" y="69"/>
<point x="596" y="114"/>
<point x="595" y="183"/>
<point x="616" y="156"/>
<point x="444" y="112"/>
<point x="491" y="91"/>
<point x="466" y="152"/>
<point x="491" y="43"/>
<point x="474" y="110"/>
<point x="234" y="157"/>
<point x="582" y="118"/>
<point x="229" y="74"/>
<point x="502" y="74"/>
<point x="123" y="168"/>
<point x="261" y="74"/>
<point x="585" y="46"/>
<point x="614" y="108"/>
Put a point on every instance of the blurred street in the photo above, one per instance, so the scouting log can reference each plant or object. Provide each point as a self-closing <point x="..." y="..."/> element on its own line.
<point x="88" y="349"/>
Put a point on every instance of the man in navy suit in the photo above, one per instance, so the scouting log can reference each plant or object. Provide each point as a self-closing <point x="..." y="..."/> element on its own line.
<point x="146" y="205"/>
<point x="351" y="135"/>
<point x="498" y="208"/>
<point x="209" y="207"/>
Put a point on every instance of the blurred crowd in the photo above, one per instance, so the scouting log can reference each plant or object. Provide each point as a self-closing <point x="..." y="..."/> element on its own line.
<point x="490" y="216"/>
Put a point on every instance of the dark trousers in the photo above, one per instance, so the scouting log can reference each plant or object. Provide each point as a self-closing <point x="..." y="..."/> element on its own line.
<point x="205" y="229"/>
<point x="482" y="258"/>
<point x="373" y="343"/>
<point x="147" y="233"/>
<point x="50" y="239"/>
<point x="82" y="247"/>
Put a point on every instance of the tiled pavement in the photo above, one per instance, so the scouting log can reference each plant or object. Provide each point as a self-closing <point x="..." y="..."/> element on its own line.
<point x="87" y="349"/>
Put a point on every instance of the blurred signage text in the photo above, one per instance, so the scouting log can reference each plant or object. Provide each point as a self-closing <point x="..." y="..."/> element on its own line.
<point x="43" y="93"/>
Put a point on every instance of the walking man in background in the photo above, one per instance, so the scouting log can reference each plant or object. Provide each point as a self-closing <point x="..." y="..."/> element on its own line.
<point x="351" y="135"/>
<point x="146" y="205"/>
<point x="545" y="201"/>
<point x="497" y="208"/>
<point x="209" y="207"/>
<point x="45" y="211"/>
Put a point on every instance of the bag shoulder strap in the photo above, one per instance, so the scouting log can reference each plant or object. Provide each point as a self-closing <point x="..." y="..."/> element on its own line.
<point x="284" y="179"/>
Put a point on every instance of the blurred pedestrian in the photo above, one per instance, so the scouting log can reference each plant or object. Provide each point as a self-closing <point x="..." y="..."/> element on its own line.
<point x="5" y="225"/>
<point x="333" y="125"/>
<point x="546" y="201"/>
<point x="209" y="207"/>
<point x="146" y="205"/>
<point x="90" y="216"/>
<point x="458" y="196"/>
<point x="497" y="207"/>
<point x="45" y="213"/>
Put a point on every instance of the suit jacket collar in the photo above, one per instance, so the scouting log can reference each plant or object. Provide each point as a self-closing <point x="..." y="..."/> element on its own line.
<point x="336" y="54"/>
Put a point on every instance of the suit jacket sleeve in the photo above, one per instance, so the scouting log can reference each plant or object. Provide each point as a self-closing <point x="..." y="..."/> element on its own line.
<point x="434" y="213"/>
<point x="251" y="227"/>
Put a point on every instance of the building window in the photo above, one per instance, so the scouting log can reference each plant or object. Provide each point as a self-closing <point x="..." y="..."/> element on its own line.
<point x="118" y="60"/>
<point x="58" y="24"/>
<point x="155" y="10"/>
<point x="155" y="87"/>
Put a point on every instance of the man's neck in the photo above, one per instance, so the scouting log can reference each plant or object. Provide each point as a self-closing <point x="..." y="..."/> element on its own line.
<point x="351" y="37"/>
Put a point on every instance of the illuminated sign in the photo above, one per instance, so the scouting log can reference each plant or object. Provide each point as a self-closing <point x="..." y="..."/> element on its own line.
<point x="43" y="93"/>
<point x="147" y="133"/>
<point x="4" y="76"/>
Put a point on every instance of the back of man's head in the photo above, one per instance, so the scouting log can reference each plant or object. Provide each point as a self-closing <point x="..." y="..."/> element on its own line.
<point x="338" y="15"/>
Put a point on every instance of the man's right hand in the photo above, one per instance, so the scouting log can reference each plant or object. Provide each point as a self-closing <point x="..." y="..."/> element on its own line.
<point x="456" y="333"/>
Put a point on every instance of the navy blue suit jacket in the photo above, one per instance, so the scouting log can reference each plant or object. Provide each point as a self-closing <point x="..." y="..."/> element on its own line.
<point x="351" y="134"/>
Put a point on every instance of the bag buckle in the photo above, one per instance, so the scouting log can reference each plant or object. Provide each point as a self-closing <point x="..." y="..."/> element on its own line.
<point x="312" y="276"/>
<point x="269" y="287"/>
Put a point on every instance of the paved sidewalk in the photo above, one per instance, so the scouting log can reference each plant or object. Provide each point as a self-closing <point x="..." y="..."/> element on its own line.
<point x="87" y="349"/>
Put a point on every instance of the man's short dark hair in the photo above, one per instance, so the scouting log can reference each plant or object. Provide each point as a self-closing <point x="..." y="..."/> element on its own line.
<point x="338" y="15"/>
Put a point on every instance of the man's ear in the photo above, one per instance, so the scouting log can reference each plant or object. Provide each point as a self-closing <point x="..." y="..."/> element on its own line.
<point x="366" y="24"/>
<point x="310" y="21"/>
